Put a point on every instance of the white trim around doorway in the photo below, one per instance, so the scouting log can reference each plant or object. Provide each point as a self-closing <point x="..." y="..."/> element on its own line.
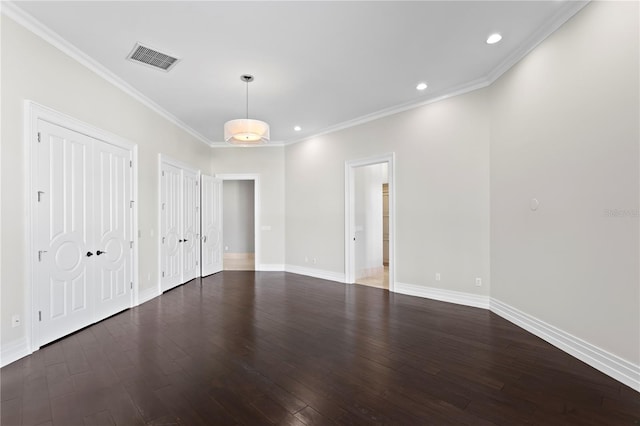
<point x="255" y="177"/>
<point x="349" y="219"/>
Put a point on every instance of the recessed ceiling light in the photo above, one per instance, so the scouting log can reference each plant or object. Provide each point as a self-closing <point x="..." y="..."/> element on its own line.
<point x="494" y="38"/>
<point x="297" y="128"/>
<point x="421" y="86"/>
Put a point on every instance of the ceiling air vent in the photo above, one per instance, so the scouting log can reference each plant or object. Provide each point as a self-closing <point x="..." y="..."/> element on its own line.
<point x="152" y="58"/>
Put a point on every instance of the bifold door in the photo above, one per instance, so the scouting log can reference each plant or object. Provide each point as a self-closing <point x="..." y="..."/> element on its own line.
<point x="211" y="225"/>
<point x="84" y="259"/>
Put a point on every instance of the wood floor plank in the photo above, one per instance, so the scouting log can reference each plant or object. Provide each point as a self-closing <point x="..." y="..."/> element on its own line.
<point x="252" y="348"/>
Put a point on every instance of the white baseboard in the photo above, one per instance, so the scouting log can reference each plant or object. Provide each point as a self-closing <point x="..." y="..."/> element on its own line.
<point x="147" y="294"/>
<point x="461" y="298"/>
<point x="272" y="267"/>
<point x="316" y="273"/>
<point x="13" y="351"/>
<point x="608" y="363"/>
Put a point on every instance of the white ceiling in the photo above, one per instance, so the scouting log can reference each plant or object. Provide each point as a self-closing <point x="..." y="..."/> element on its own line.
<point x="319" y="65"/>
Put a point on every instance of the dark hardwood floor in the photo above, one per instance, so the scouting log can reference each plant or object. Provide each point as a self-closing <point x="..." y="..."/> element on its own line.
<point x="263" y="348"/>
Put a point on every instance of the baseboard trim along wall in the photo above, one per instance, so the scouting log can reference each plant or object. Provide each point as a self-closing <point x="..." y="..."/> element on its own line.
<point x="608" y="363"/>
<point x="13" y="351"/>
<point x="316" y="273"/>
<point x="270" y="267"/>
<point x="459" y="297"/>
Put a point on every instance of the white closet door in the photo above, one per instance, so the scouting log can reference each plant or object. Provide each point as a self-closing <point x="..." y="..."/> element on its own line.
<point x="171" y="226"/>
<point x="190" y="225"/>
<point x="63" y="281"/>
<point x="113" y="222"/>
<point x="211" y="225"/>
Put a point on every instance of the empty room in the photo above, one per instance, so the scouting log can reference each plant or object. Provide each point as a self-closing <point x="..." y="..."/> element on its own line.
<point x="319" y="212"/>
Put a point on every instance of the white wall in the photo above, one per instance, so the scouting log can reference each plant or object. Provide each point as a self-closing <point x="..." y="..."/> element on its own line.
<point x="238" y="216"/>
<point x="268" y="162"/>
<point x="442" y="193"/>
<point x="33" y="69"/>
<point x="368" y="182"/>
<point x="564" y="130"/>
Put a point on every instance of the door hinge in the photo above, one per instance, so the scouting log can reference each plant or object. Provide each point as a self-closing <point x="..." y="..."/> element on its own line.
<point x="39" y="315"/>
<point x="131" y="285"/>
<point x="40" y="194"/>
<point x="196" y="183"/>
<point x="163" y="173"/>
<point x="40" y="252"/>
<point x="162" y="206"/>
<point x="162" y="240"/>
<point x="196" y="263"/>
<point x="130" y="163"/>
<point x="163" y="274"/>
<point x="130" y="244"/>
<point x="131" y="204"/>
<point x="39" y="140"/>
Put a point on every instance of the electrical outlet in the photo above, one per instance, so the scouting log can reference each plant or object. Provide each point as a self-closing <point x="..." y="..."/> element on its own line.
<point x="437" y="276"/>
<point x="478" y="282"/>
<point x="15" y="320"/>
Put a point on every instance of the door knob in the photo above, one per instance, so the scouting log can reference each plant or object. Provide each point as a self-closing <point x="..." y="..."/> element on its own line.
<point x="185" y="240"/>
<point x="89" y="254"/>
<point x="180" y="241"/>
<point x="99" y="252"/>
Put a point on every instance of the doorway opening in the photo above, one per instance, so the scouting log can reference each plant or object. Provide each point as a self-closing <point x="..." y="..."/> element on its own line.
<point x="240" y="221"/>
<point x="369" y="219"/>
<point x="238" y="224"/>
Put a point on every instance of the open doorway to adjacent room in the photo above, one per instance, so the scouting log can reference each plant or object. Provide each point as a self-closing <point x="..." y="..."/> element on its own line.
<point x="369" y="222"/>
<point x="238" y="222"/>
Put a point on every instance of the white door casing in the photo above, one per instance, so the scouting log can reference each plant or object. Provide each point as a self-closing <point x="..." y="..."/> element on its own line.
<point x="350" y="226"/>
<point x="170" y="226"/>
<point x="211" y="225"/>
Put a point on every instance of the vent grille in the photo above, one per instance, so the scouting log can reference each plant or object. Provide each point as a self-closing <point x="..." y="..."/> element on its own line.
<point x="151" y="57"/>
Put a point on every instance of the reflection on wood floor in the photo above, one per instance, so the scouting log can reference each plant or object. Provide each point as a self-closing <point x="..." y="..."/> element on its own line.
<point x="380" y="280"/>
<point x="239" y="262"/>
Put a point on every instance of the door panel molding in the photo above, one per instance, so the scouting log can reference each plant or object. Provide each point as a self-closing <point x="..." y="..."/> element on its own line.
<point x="211" y="225"/>
<point x="178" y="223"/>
<point x="33" y="114"/>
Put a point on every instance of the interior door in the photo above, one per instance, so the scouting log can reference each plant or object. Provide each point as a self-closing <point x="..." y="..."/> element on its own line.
<point x="190" y="225"/>
<point x="63" y="271"/>
<point x="170" y="227"/>
<point x="211" y="225"/>
<point x="113" y="229"/>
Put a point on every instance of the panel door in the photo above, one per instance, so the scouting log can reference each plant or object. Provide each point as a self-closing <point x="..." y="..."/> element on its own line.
<point x="211" y="225"/>
<point x="190" y="225"/>
<point x="170" y="227"/>
<point x="112" y="229"/>
<point x="64" y="214"/>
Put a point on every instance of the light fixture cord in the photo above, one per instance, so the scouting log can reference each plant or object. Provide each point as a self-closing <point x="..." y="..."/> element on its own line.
<point x="247" y="100"/>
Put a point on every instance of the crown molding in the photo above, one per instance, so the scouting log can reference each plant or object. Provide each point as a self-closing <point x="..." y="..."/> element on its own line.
<point x="273" y="144"/>
<point x="567" y="12"/>
<point x="9" y="9"/>
<point x="437" y="97"/>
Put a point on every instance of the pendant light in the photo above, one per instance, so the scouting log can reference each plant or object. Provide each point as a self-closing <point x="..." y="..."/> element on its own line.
<point x="246" y="131"/>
